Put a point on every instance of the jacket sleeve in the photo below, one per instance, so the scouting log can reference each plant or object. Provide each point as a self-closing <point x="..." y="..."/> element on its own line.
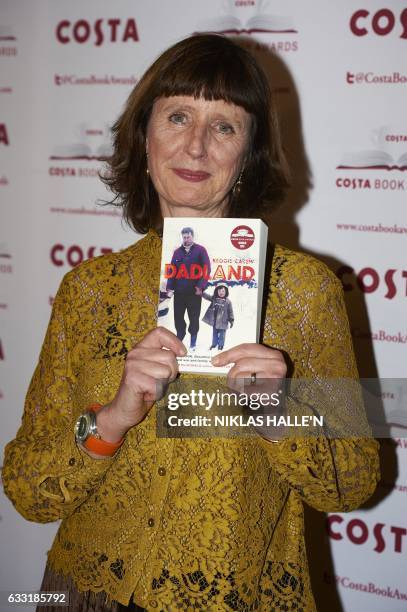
<point x="231" y="316"/>
<point x="171" y="281"/>
<point x="45" y="474"/>
<point x="331" y="473"/>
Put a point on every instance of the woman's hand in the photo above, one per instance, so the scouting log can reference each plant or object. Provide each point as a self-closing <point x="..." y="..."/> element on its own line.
<point x="251" y="358"/>
<point x="150" y="366"/>
<point x="266" y="363"/>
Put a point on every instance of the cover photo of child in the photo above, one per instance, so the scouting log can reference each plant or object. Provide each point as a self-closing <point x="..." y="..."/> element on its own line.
<point x="218" y="315"/>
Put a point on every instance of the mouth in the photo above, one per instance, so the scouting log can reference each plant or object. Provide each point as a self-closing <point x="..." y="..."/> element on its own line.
<point x="190" y="175"/>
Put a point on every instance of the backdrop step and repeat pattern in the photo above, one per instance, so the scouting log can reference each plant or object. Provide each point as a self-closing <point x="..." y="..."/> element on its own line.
<point x="339" y="74"/>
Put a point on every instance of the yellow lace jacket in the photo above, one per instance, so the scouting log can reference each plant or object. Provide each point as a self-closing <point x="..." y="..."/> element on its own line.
<point x="212" y="523"/>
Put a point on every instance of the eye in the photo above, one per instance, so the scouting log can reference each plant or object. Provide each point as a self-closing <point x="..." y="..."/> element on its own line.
<point x="225" y="128"/>
<point x="178" y="118"/>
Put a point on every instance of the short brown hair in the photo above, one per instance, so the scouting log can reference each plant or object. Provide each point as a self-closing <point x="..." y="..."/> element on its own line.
<point x="215" y="68"/>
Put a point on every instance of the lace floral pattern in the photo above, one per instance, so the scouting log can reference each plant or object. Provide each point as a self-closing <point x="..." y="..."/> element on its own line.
<point x="210" y="523"/>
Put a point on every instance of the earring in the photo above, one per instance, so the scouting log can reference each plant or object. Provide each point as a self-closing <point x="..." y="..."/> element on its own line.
<point x="147" y="170"/>
<point x="238" y="184"/>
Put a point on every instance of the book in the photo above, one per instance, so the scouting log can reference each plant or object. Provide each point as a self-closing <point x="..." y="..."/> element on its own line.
<point x="372" y="160"/>
<point x="257" y="24"/>
<point x="92" y="144"/>
<point x="81" y="151"/>
<point x="211" y="286"/>
<point x="6" y="33"/>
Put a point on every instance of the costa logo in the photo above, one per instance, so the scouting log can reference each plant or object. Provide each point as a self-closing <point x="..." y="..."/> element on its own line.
<point x="358" y="532"/>
<point x="102" y="30"/>
<point x="74" y="255"/>
<point x="358" y="183"/>
<point x="4" y="139"/>
<point x="369" y="280"/>
<point x="383" y="22"/>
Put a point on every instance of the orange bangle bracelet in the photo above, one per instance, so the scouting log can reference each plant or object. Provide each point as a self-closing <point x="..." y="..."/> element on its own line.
<point x="99" y="446"/>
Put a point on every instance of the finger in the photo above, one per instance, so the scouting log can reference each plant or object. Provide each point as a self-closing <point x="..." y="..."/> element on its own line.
<point x="153" y="369"/>
<point x="244" y="368"/>
<point x="133" y="389"/>
<point x="264" y="368"/>
<point x="163" y="338"/>
<point x="149" y="388"/>
<point x="243" y="350"/>
<point x="262" y="384"/>
<point x="246" y="349"/>
<point x="163" y="356"/>
<point x="240" y="378"/>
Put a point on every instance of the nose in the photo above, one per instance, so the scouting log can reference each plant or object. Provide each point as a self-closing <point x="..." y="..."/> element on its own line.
<point x="196" y="141"/>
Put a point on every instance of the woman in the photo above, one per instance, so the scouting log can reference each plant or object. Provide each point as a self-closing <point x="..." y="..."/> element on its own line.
<point x="210" y="524"/>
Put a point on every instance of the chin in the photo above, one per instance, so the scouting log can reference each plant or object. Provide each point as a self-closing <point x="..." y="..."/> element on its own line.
<point x="190" y="200"/>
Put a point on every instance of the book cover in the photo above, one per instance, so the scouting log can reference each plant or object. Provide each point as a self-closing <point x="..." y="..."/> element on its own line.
<point x="211" y="285"/>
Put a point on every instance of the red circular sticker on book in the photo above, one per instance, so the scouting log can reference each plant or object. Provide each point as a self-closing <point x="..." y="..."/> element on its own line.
<point x="242" y="237"/>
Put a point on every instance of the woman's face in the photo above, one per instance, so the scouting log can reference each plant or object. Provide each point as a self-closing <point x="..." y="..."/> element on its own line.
<point x="196" y="150"/>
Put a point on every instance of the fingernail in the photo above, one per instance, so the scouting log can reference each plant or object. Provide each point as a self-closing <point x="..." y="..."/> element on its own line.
<point x="183" y="350"/>
<point x="215" y="360"/>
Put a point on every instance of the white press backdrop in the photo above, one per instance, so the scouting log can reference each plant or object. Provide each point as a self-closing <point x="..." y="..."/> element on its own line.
<point x="339" y="75"/>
